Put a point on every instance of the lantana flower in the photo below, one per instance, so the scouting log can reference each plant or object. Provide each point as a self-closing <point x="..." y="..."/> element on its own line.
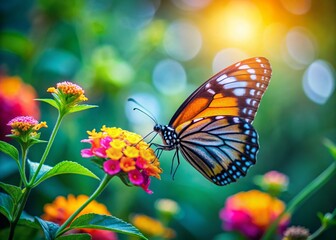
<point x="152" y="227"/>
<point x="24" y="129"/>
<point x="124" y="154"/>
<point x="67" y="96"/>
<point x="63" y="207"/>
<point x="16" y="99"/>
<point x="273" y="182"/>
<point x="250" y="213"/>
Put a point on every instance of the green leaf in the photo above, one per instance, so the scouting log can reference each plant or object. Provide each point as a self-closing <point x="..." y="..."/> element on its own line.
<point x="331" y="147"/>
<point x="33" y="168"/>
<point x="49" y="228"/>
<point x="52" y="102"/>
<point x="105" y="222"/>
<point x="6" y="206"/>
<point x="9" y="150"/>
<point x="14" y="191"/>
<point x="29" y="223"/>
<point x="81" y="107"/>
<point x="79" y="236"/>
<point x="64" y="167"/>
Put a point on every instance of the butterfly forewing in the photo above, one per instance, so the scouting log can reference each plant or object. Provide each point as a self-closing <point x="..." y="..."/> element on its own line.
<point x="235" y="91"/>
<point x="222" y="148"/>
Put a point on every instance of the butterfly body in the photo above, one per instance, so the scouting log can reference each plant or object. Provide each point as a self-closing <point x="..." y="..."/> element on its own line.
<point x="212" y="128"/>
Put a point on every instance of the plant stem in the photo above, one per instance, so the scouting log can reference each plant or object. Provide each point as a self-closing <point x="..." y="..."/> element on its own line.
<point x="94" y="195"/>
<point x="30" y="185"/>
<point x="323" y="227"/>
<point x="316" y="184"/>
<point x="47" y="149"/>
<point x="24" y="150"/>
<point x="18" y="213"/>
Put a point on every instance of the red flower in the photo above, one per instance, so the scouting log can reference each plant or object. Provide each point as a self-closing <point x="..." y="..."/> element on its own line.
<point x="16" y="99"/>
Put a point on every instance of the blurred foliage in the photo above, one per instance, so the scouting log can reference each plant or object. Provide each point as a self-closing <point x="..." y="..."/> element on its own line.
<point x="112" y="47"/>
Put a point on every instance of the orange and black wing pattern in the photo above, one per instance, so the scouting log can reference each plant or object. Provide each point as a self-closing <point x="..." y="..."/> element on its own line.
<point x="235" y="91"/>
<point x="222" y="148"/>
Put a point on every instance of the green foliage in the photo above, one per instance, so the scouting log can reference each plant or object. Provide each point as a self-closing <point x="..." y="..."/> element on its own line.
<point x="96" y="221"/>
<point x="64" y="167"/>
<point x="14" y="191"/>
<point x="6" y="206"/>
<point x="10" y="150"/>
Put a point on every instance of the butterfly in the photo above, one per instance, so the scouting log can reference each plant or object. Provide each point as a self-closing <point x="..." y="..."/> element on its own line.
<point x="212" y="128"/>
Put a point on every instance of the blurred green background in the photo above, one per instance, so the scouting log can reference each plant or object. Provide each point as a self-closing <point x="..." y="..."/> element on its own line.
<point x="158" y="52"/>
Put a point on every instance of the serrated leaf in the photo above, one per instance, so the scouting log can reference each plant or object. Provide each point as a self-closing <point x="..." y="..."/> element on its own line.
<point x="81" y="107"/>
<point x="6" y="206"/>
<point x="10" y="150"/>
<point x="14" y="191"/>
<point x="52" y="102"/>
<point x="64" y="167"/>
<point x="49" y="228"/>
<point x="79" y="236"/>
<point x="105" y="222"/>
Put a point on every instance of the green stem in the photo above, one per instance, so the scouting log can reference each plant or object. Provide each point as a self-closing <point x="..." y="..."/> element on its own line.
<point x="323" y="227"/>
<point x="47" y="149"/>
<point x="18" y="213"/>
<point x="24" y="159"/>
<point x="316" y="184"/>
<point x="94" y="195"/>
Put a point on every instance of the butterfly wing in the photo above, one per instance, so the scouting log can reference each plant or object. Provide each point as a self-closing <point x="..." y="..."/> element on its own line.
<point x="235" y="91"/>
<point x="222" y="148"/>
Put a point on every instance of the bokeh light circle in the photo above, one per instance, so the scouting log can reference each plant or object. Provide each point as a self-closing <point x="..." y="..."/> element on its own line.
<point x="169" y="77"/>
<point x="191" y="4"/>
<point x="140" y="122"/>
<point x="319" y="82"/>
<point x="226" y="57"/>
<point x="300" y="46"/>
<point x="298" y="7"/>
<point x="182" y="40"/>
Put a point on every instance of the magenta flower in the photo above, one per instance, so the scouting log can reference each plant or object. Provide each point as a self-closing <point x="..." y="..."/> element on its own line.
<point x="111" y="167"/>
<point x="135" y="177"/>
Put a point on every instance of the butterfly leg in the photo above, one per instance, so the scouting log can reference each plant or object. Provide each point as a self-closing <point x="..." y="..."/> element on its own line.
<point x="176" y="155"/>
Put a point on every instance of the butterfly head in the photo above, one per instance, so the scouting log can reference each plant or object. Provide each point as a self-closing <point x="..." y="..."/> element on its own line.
<point x="168" y="135"/>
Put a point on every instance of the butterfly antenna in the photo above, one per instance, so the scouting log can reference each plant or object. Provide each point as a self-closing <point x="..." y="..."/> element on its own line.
<point x="143" y="110"/>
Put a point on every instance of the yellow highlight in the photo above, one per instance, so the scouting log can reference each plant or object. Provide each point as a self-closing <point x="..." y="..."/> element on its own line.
<point x="224" y="102"/>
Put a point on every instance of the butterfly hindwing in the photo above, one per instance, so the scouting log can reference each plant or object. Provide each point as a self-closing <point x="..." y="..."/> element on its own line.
<point x="222" y="148"/>
<point x="235" y="91"/>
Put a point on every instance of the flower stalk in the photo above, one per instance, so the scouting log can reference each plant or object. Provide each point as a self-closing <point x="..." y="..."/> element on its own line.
<point x="94" y="195"/>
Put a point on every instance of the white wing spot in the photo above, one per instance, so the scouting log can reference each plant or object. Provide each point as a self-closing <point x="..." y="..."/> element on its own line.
<point x="211" y="91"/>
<point x="250" y="112"/>
<point x="239" y="91"/>
<point x="219" y="117"/>
<point x="237" y="64"/>
<point x="227" y="80"/>
<point x="258" y="84"/>
<point x="208" y="85"/>
<point x="252" y="92"/>
<point x="197" y="120"/>
<point x="258" y="60"/>
<point x="244" y="67"/>
<point x="253" y="77"/>
<point x="248" y="101"/>
<point x="221" y="77"/>
<point x="235" y="85"/>
<point x="250" y="70"/>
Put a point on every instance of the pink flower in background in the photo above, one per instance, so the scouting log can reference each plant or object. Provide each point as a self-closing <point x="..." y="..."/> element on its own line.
<point x="16" y="99"/>
<point x="250" y="213"/>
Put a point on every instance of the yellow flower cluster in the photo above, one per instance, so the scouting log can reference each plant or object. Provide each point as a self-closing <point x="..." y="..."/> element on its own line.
<point x="25" y="125"/>
<point x="127" y="148"/>
<point x="70" y="89"/>
<point x="152" y="227"/>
